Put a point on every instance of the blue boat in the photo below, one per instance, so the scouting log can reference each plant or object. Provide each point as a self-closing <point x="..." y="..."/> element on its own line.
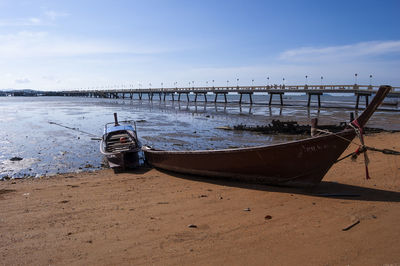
<point x="120" y="144"/>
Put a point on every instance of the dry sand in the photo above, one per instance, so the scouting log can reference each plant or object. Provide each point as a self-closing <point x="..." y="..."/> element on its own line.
<point x="142" y="217"/>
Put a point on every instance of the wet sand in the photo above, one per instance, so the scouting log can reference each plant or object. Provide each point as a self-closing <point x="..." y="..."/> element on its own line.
<point x="143" y="217"/>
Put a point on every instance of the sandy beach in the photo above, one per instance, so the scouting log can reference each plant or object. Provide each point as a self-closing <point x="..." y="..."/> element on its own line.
<point x="148" y="216"/>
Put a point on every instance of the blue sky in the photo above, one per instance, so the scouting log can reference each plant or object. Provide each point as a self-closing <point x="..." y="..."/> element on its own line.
<point x="85" y="44"/>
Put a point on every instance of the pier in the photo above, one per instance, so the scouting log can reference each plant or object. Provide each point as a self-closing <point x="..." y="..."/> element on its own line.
<point x="200" y="93"/>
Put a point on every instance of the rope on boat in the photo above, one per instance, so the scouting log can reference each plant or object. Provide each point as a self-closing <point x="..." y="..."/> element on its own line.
<point x="73" y="128"/>
<point x="362" y="148"/>
<point x="347" y="156"/>
<point x="384" y="151"/>
<point x="359" y="131"/>
<point x="355" y="154"/>
<point x="329" y="132"/>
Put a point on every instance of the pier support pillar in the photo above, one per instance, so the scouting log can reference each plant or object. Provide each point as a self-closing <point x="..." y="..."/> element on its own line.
<point x="216" y="96"/>
<point x="187" y="96"/>
<point x="250" y="97"/>
<point x="365" y="95"/>
<point x="309" y="98"/>
<point x="166" y="93"/>
<point x="197" y="93"/>
<point x="280" y="96"/>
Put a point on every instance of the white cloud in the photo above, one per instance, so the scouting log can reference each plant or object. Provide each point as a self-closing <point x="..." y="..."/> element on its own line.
<point x="45" y="19"/>
<point x="339" y="53"/>
<point x="42" y="44"/>
<point x="19" y="22"/>
<point x="54" y="14"/>
<point x="22" y="81"/>
<point x="51" y="78"/>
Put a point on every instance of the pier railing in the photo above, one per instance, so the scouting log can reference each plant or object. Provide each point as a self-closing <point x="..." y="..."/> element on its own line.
<point x="246" y="89"/>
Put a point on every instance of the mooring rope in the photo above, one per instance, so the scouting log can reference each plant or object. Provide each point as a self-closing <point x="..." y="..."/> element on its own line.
<point x="384" y="151"/>
<point x="362" y="148"/>
<point x="73" y="128"/>
<point x="333" y="133"/>
<point x="359" y="131"/>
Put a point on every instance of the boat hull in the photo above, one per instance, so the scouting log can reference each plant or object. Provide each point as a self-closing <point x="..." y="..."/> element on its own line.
<point x="123" y="160"/>
<point x="298" y="163"/>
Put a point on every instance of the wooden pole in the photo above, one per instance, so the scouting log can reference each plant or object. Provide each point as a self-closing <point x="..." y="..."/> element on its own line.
<point x="314" y="125"/>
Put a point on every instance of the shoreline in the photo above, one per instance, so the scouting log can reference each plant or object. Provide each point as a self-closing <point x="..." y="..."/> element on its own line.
<point x="143" y="217"/>
<point x="259" y="129"/>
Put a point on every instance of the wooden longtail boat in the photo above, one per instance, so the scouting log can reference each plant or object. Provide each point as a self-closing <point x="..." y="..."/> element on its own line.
<point x="296" y="163"/>
<point x="120" y="144"/>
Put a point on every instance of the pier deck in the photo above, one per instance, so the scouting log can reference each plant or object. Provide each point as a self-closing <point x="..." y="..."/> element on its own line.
<point x="310" y="90"/>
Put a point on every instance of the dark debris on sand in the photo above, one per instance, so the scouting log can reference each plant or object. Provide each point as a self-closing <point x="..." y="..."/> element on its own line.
<point x="293" y="128"/>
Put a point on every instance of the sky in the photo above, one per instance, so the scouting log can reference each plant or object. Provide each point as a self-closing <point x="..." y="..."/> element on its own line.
<point x="62" y="45"/>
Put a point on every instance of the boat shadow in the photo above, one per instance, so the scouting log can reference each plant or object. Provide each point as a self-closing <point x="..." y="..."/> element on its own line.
<point x="137" y="171"/>
<point x="326" y="189"/>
